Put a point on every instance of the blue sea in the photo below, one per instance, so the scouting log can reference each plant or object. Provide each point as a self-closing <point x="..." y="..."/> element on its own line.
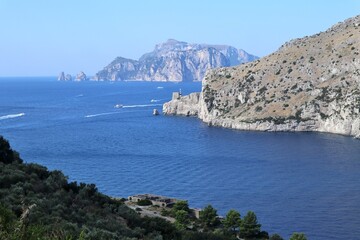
<point x="294" y="182"/>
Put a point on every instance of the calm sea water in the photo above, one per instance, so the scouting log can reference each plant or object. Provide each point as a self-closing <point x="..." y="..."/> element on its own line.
<point x="304" y="182"/>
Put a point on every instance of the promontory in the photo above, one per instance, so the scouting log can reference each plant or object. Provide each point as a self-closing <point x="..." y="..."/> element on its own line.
<point x="308" y="84"/>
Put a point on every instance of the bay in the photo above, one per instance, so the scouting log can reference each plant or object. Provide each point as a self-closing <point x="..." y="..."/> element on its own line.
<point x="304" y="182"/>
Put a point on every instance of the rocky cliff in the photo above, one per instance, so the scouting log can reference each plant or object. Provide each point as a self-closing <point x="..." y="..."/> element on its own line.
<point x="309" y="84"/>
<point x="174" y="61"/>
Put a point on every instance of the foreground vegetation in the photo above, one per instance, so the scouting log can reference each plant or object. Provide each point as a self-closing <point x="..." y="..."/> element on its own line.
<point x="37" y="204"/>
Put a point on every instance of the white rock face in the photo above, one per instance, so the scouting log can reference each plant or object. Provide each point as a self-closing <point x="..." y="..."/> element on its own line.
<point x="186" y="105"/>
<point x="309" y="84"/>
<point x="68" y="77"/>
<point x="174" y="61"/>
<point x="81" y="76"/>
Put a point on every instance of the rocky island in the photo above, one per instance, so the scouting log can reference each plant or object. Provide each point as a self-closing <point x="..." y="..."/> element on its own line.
<point x="81" y="76"/>
<point x="308" y="84"/>
<point x="64" y="77"/>
<point x="174" y="61"/>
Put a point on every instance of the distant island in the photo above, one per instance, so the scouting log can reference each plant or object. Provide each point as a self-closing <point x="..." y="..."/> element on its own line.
<point x="81" y="76"/>
<point x="171" y="61"/>
<point x="309" y="84"/>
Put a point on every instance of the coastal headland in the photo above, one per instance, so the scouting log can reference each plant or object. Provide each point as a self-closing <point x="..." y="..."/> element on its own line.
<point x="309" y="84"/>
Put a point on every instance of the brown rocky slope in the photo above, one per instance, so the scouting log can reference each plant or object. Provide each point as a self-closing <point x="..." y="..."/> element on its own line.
<point x="309" y="84"/>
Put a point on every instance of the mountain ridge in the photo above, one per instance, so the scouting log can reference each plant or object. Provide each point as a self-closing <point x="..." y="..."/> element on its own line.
<point x="174" y="60"/>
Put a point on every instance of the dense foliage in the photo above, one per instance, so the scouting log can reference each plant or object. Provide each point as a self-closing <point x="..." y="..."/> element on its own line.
<point x="298" y="236"/>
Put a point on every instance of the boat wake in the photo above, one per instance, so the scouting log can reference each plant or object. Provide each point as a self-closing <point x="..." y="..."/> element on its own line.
<point x="156" y="100"/>
<point x="101" y="114"/>
<point x="12" y="116"/>
<point x="142" y="105"/>
<point x="126" y="106"/>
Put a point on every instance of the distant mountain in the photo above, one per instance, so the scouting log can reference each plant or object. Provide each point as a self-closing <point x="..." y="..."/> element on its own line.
<point x="309" y="84"/>
<point x="174" y="61"/>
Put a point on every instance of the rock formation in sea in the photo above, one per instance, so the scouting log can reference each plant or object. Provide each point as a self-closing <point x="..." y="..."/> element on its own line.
<point x="174" y="61"/>
<point x="61" y="77"/>
<point x="81" y="76"/>
<point x="308" y="84"/>
<point x="68" y="77"/>
<point x="64" y="77"/>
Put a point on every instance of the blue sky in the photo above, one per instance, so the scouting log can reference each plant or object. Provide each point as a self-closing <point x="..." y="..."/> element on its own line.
<point x="44" y="37"/>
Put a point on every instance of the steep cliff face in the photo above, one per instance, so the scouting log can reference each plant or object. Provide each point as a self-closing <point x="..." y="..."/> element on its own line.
<point x="119" y="69"/>
<point x="174" y="61"/>
<point x="309" y="84"/>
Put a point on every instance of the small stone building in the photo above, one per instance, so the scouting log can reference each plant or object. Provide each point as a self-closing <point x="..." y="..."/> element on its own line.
<point x="196" y="212"/>
<point x="156" y="200"/>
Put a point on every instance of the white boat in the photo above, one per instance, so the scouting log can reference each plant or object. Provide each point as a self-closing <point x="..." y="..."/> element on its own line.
<point x="118" y="106"/>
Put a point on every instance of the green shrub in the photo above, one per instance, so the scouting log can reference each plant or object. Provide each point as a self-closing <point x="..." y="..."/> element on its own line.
<point x="144" y="202"/>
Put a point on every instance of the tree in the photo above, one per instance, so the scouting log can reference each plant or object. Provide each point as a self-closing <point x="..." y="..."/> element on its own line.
<point x="250" y="228"/>
<point x="232" y="220"/>
<point x="209" y="217"/>
<point x="144" y="202"/>
<point x="180" y="205"/>
<point x="181" y="219"/>
<point x="180" y="211"/>
<point x="7" y="223"/>
<point x="276" y="237"/>
<point x="298" y="236"/>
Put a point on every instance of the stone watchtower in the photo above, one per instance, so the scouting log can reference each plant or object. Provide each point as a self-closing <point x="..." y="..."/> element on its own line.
<point x="176" y="95"/>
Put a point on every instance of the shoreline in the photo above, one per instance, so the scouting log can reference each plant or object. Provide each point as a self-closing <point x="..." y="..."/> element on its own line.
<point x="193" y="105"/>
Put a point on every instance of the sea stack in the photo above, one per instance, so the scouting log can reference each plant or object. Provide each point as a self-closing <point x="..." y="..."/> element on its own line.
<point x="81" y="76"/>
<point x="61" y="77"/>
<point x="64" y="77"/>
<point x="68" y="77"/>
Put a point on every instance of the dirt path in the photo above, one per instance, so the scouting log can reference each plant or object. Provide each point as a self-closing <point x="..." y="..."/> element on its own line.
<point x="149" y="211"/>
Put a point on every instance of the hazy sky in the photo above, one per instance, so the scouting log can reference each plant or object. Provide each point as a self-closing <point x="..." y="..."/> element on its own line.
<point x="44" y="37"/>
